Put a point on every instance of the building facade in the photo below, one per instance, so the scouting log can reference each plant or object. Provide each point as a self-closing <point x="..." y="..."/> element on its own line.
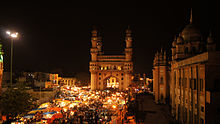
<point x="68" y="81"/>
<point x="161" y="77"/>
<point x="193" y="82"/>
<point x="55" y="79"/>
<point x="110" y="71"/>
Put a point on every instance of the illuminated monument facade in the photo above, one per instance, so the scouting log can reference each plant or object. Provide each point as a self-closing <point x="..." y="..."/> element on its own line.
<point x="191" y="80"/>
<point x="110" y="71"/>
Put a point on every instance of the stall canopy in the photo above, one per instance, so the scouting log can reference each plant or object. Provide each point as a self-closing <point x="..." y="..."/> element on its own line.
<point x="36" y="110"/>
<point x="47" y="104"/>
<point x="29" y="116"/>
<point x="49" y="113"/>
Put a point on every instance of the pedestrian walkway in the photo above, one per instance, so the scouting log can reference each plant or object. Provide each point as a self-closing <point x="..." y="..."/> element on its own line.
<point x="151" y="113"/>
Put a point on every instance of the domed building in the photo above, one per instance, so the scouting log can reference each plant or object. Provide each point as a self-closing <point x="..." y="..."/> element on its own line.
<point x="191" y="34"/>
<point x="188" y="43"/>
<point x="190" y="80"/>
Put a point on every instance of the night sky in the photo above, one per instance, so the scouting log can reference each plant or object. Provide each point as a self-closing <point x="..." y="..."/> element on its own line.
<point x="55" y="37"/>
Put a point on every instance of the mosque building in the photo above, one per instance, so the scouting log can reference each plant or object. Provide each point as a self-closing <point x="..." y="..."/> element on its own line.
<point x="190" y="80"/>
<point x="110" y="71"/>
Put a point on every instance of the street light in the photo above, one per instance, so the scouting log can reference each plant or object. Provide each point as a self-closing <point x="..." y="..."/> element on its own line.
<point x="12" y="35"/>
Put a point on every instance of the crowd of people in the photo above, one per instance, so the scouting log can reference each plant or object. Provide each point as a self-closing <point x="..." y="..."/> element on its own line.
<point x="79" y="105"/>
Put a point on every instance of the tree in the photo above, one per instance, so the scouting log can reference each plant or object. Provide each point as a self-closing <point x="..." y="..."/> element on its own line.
<point x="15" y="101"/>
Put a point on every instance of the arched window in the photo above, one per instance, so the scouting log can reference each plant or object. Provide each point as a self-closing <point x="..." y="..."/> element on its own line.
<point x="161" y="80"/>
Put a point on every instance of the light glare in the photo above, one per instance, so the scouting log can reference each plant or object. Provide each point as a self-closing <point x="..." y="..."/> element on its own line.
<point x="8" y="32"/>
<point x="12" y="35"/>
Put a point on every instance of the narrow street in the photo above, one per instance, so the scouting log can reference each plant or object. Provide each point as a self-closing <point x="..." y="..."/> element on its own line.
<point x="151" y="113"/>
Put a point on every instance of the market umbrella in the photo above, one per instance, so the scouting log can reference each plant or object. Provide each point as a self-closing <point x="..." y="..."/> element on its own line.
<point x="29" y="116"/>
<point x="57" y="115"/>
<point x="44" y="105"/>
<point x="38" y="123"/>
<point x="49" y="113"/>
<point x="55" y="109"/>
<point x="43" y="120"/>
<point x="34" y="111"/>
<point x="76" y="101"/>
<point x="58" y="99"/>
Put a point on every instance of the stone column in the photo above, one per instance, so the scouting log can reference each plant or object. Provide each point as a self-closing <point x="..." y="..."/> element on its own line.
<point x="93" y="81"/>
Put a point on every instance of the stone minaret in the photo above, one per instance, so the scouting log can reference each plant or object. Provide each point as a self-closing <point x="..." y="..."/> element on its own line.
<point x="128" y="49"/>
<point x="94" y="55"/>
<point x="99" y="45"/>
<point x="94" y="49"/>
<point x="211" y="46"/>
<point x="128" y="59"/>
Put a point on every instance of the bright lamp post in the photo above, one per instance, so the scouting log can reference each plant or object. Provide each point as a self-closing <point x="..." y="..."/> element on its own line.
<point x="12" y="35"/>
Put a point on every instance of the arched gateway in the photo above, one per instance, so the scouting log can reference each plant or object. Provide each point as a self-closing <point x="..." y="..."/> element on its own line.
<point x="110" y="71"/>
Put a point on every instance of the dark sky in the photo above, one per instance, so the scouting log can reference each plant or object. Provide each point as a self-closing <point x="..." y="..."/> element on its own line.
<point x="56" y="36"/>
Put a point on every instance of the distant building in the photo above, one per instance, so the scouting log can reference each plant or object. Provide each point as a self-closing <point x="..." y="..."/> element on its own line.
<point x="191" y="80"/>
<point x="149" y="81"/>
<point x="138" y="80"/>
<point x="32" y="79"/>
<point x="54" y="78"/>
<point x="110" y="71"/>
<point x="149" y="84"/>
<point x="45" y="80"/>
<point x="68" y="81"/>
